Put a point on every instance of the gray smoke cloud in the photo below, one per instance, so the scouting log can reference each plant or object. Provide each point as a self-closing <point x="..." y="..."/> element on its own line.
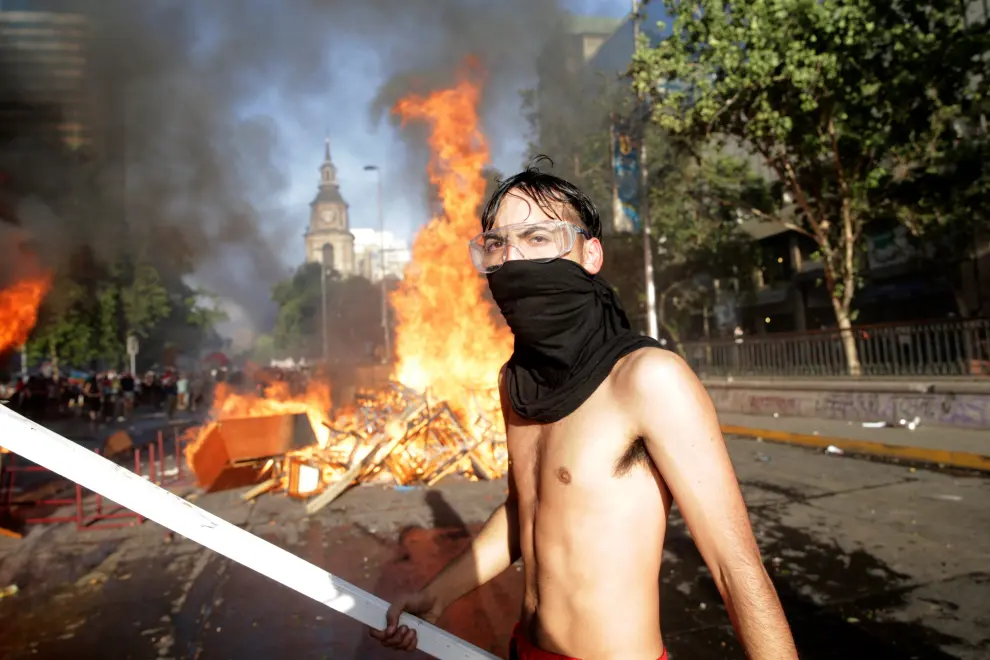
<point x="179" y="173"/>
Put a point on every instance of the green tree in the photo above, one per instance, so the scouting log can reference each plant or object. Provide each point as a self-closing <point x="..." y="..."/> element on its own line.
<point x="189" y="327"/>
<point x="86" y="320"/>
<point x="143" y="298"/>
<point x="65" y="330"/>
<point x="943" y="199"/>
<point x="694" y="205"/>
<point x="353" y="315"/>
<point x="297" y="329"/>
<point x="831" y="94"/>
<point x="109" y="340"/>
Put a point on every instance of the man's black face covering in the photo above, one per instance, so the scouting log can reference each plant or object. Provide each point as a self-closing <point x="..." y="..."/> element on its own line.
<point x="570" y="330"/>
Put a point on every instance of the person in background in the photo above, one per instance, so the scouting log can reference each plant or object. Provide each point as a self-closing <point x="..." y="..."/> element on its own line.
<point x="196" y="391"/>
<point x="117" y="396"/>
<point x="127" y="385"/>
<point x="171" y="393"/>
<point x="92" y="397"/>
<point x="182" y="390"/>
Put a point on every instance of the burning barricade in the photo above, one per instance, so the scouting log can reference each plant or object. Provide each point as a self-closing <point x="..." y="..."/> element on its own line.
<point x="448" y="349"/>
<point x="291" y="444"/>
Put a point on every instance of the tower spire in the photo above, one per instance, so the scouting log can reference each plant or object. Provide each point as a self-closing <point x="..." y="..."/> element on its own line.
<point x="328" y="173"/>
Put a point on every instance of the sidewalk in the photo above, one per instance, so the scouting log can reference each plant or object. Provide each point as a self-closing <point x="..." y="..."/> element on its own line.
<point x="960" y="448"/>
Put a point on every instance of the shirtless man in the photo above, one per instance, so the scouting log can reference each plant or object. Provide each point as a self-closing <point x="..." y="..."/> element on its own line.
<point x="605" y="430"/>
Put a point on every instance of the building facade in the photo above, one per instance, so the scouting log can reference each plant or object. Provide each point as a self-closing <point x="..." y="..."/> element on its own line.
<point x="329" y="239"/>
<point x="371" y="245"/>
<point x="44" y="93"/>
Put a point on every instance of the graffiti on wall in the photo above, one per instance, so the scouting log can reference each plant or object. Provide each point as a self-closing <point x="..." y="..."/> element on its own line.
<point x="971" y="411"/>
<point x="959" y="410"/>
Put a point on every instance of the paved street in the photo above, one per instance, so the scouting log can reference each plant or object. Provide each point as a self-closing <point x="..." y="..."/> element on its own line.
<point x="872" y="560"/>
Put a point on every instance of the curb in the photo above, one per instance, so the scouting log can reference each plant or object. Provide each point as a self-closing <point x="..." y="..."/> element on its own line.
<point x="946" y="386"/>
<point x="958" y="459"/>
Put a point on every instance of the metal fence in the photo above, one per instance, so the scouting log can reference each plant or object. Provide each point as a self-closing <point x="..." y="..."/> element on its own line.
<point x="937" y="348"/>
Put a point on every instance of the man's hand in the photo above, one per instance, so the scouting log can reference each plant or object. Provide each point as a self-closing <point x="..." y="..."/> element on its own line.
<point x="421" y="604"/>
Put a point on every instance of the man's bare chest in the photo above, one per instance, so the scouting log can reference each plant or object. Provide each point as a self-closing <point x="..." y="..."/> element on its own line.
<point x="587" y="451"/>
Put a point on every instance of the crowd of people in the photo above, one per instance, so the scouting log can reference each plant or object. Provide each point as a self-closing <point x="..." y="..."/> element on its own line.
<point x="106" y="396"/>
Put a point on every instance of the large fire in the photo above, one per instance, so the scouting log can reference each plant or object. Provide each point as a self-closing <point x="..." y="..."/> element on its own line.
<point x="279" y="400"/>
<point x="446" y="339"/>
<point x="447" y="343"/>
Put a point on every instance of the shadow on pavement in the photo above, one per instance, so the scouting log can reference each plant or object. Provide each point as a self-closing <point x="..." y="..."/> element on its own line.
<point x="839" y="604"/>
<point x="484" y="618"/>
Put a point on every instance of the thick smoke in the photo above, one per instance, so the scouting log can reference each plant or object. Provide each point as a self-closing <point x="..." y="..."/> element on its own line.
<point x="179" y="174"/>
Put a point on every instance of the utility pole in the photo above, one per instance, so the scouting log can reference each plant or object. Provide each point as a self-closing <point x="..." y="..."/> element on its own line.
<point x="386" y="335"/>
<point x="644" y="201"/>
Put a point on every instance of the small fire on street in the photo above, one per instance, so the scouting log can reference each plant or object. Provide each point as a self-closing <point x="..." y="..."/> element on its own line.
<point x="19" y="303"/>
<point x="440" y="414"/>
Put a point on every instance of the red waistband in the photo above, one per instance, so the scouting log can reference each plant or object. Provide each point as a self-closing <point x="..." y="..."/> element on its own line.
<point x="526" y="650"/>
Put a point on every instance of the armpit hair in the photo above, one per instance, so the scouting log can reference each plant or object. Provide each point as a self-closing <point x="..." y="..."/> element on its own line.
<point x="635" y="455"/>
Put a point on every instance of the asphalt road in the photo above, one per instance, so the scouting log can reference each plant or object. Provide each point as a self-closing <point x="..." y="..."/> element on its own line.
<point x="871" y="560"/>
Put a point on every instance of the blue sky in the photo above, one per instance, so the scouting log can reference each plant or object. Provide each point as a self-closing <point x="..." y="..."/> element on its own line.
<point x="356" y="141"/>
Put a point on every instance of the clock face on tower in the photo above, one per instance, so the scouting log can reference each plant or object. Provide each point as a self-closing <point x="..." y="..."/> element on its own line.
<point x="327" y="216"/>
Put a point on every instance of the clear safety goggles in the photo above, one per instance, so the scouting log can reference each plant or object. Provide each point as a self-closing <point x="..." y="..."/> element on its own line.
<point x="533" y="241"/>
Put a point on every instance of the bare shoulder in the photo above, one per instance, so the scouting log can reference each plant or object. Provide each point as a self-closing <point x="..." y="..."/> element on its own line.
<point x="662" y="395"/>
<point x="651" y="371"/>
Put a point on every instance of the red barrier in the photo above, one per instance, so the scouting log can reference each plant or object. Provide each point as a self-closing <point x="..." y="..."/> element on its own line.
<point x="100" y="519"/>
<point x="92" y="513"/>
<point x="8" y="479"/>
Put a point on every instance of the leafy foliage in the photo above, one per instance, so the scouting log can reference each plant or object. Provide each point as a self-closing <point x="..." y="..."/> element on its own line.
<point x="840" y="98"/>
<point x="694" y="210"/>
<point x="354" y="325"/>
<point x="143" y="299"/>
<point x="86" y="320"/>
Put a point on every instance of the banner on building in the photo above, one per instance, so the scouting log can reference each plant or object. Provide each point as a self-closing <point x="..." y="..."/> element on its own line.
<point x="625" y="168"/>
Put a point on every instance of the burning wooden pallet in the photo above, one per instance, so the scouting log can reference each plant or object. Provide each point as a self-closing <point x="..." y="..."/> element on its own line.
<point x="395" y="435"/>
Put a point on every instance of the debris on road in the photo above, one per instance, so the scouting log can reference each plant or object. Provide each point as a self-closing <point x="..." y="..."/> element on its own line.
<point x="946" y="498"/>
<point x="833" y="450"/>
<point x="912" y="425"/>
<point x="9" y="533"/>
<point x="395" y="435"/>
<point x="8" y="591"/>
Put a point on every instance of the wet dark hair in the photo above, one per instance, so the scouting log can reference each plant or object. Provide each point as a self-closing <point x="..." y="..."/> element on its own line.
<point x="548" y="191"/>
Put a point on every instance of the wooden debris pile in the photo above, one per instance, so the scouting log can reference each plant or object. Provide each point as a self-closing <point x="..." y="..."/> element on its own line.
<point x="393" y="436"/>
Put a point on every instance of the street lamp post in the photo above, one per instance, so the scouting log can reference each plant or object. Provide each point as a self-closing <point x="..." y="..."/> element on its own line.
<point x="652" y="328"/>
<point x="381" y="257"/>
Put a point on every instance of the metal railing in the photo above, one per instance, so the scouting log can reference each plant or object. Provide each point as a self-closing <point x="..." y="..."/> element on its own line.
<point x="929" y="348"/>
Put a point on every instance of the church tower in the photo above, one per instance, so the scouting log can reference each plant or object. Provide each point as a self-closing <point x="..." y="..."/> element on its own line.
<point x="329" y="239"/>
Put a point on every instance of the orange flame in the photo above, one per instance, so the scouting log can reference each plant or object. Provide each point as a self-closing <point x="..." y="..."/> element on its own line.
<point x="19" y="305"/>
<point x="278" y="400"/>
<point x="447" y="342"/>
<point x="446" y="338"/>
